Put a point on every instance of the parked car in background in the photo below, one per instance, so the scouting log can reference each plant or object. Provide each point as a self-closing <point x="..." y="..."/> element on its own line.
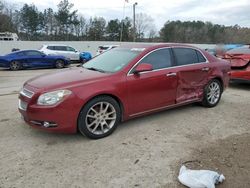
<point x="32" y="59"/>
<point x="63" y="50"/>
<point x="105" y="48"/>
<point x="126" y="82"/>
<point x="85" y="56"/>
<point x="239" y="59"/>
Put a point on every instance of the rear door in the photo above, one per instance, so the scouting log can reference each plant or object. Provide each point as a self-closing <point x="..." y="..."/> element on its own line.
<point x="192" y="73"/>
<point x="153" y="89"/>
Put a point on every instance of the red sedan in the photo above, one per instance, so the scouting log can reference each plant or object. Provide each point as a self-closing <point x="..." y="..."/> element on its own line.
<point x="120" y="84"/>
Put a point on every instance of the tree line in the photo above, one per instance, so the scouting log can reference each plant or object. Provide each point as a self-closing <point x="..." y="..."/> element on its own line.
<point x="67" y="24"/>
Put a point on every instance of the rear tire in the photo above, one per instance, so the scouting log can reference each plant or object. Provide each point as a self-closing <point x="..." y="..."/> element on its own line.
<point x="99" y="117"/>
<point x="15" y="65"/>
<point x="212" y="93"/>
<point x="59" y="64"/>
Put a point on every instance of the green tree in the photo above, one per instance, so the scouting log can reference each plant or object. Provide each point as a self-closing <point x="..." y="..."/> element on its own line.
<point x="113" y="30"/>
<point x="31" y="21"/>
<point x="127" y="29"/>
<point x="96" y="28"/>
<point x="65" y="17"/>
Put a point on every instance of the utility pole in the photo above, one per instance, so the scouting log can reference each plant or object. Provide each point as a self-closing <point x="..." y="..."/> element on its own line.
<point x="134" y="20"/>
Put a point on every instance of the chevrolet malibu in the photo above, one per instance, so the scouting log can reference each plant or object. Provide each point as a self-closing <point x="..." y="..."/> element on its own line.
<point x="123" y="83"/>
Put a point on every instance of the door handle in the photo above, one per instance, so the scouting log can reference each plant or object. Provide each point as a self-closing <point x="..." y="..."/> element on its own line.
<point x="171" y="74"/>
<point x="205" y="69"/>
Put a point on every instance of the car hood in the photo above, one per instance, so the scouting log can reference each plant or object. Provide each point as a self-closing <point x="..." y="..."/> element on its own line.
<point x="66" y="78"/>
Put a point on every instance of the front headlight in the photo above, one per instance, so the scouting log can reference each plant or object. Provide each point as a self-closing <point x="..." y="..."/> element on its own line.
<point x="54" y="97"/>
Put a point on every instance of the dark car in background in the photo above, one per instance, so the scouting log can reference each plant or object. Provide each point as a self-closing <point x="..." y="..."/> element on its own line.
<point x="120" y="84"/>
<point x="32" y="59"/>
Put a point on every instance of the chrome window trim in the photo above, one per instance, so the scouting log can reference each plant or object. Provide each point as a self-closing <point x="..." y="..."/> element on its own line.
<point x="129" y="72"/>
<point x="24" y="94"/>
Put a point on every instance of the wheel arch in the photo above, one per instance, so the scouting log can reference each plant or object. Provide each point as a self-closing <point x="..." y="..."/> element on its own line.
<point x="220" y="80"/>
<point x="60" y="59"/>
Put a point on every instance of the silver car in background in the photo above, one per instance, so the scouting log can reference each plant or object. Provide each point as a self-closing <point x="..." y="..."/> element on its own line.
<point x="59" y="49"/>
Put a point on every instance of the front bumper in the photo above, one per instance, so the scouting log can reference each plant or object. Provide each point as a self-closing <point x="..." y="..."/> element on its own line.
<point x="61" y="118"/>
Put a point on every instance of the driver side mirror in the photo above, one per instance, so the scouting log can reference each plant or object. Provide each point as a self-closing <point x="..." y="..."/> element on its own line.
<point x="143" y="67"/>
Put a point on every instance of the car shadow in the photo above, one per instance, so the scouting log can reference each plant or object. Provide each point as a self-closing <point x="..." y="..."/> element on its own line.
<point x="243" y="85"/>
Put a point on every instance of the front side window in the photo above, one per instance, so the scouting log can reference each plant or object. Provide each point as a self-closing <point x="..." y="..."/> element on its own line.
<point x="159" y="59"/>
<point x="113" y="60"/>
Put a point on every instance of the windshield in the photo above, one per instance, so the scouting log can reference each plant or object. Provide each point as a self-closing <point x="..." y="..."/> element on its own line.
<point x="113" y="60"/>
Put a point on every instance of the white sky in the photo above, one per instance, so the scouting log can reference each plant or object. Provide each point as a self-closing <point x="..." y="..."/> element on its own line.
<point x="224" y="12"/>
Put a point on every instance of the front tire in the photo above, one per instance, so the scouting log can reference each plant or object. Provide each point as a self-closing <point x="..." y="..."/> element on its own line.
<point x="99" y="117"/>
<point x="59" y="64"/>
<point x="212" y="93"/>
<point x="15" y="65"/>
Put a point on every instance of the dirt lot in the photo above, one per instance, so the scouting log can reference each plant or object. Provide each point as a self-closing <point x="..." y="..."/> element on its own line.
<point x="143" y="152"/>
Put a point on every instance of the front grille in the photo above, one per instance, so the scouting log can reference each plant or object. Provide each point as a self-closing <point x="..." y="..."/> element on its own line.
<point x="27" y="93"/>
<point x="22" y="105"/>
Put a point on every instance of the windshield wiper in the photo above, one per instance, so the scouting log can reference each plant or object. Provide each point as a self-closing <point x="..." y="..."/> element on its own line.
<point x="95" y="69"/>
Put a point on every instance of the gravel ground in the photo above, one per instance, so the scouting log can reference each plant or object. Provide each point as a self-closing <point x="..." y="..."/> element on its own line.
<point x="143" y="152"/>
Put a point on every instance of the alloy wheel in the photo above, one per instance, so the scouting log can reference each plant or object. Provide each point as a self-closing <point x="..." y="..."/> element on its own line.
<point x="100" y="118"/>
<point x="15" y="65"/>
<point x="213" y="93"/>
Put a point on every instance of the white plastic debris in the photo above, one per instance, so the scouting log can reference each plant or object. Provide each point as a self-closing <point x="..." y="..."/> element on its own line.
<point x="199" y="178"/>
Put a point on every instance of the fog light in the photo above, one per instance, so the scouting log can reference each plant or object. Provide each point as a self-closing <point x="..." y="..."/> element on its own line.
<point x="46" y="124"/>
<point x="49" y="124"/>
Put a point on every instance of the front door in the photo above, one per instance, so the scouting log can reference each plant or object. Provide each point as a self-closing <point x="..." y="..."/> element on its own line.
<point x="154" y="89"/>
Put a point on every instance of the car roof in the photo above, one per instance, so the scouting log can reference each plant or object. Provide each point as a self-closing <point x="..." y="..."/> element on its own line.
<point x="56" y="45"/>
<point x="21" y="51"/>
<point x="108" y="45"/>
<point x="150" y="46"/>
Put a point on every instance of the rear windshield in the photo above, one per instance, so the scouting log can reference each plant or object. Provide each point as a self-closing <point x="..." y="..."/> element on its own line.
<point x="113" y="60"/>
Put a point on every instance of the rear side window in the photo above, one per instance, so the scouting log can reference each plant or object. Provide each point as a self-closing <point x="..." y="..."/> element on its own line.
<point x="159" y="59"/>
<point x="200" y="57"/>
<point x="186" y="56"/>
<point x="70" y="49"/>
<point x="61" y="48"/>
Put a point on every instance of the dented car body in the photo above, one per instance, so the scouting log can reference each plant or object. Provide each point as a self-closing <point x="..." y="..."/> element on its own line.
<point x="240" y="63"/>
<point x="125" y="82"/>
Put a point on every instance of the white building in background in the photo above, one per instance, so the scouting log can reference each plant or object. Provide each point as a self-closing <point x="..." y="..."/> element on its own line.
<point x="7" y="36"/>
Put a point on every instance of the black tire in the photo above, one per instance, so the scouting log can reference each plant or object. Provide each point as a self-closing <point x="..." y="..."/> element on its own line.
<point x="59" y="64"/>
<point x="82" y="61"/>
<point x="212" y="97"/>
<point x="15" y="65"/>
<point x="99" y="127"/>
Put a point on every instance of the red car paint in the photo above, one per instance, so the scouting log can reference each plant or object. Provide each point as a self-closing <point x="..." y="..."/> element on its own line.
<point x="138" y="94"/>
<point x="240" y="65"/>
